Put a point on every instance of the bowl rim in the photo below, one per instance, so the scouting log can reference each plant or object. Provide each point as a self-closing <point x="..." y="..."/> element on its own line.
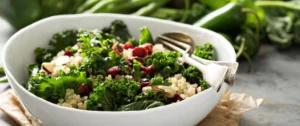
<point x="11" y="41"/>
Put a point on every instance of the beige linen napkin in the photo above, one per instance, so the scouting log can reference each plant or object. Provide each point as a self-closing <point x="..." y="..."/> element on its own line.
<point x="227" y="113"/>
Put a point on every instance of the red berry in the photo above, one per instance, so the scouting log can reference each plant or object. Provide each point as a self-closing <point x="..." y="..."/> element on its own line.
<point x="84" y="90"/>
<point x="144" y="84"/>
<point x="117" y="48"/>
<point x="128" y="46"/>
<point x="148" y="48"/>
<point x="177" y="97"/>
<point x="147" y="70"/>
<point x="113" y="71"/>
<point x="139" y="51"/>
<point x="68" y="53"/>
<point x="139" y="59"/>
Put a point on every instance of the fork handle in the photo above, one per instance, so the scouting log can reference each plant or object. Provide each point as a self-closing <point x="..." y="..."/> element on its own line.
<point x="193" y="62"/>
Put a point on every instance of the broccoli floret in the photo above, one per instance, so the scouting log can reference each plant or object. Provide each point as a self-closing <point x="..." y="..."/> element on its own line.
<point x="205" y="52"/>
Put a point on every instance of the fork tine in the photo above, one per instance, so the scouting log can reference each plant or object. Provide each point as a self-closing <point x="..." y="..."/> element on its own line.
<point x="171" y="46"/>
<point x="182" y="45"/>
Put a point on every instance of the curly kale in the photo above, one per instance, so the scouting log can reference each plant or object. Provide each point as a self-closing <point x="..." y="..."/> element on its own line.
<point x="54" y="88"/>
<point x="151" y="95"/>
<point x="97" y="49"/>
<point x="145" y="36"/>
<point x="111" y="94"/>
<point x="155" y="81"/>
<point x="165" y="63"/>
<point x="58" y="42"/>
<point x="118" y="28"/>
<point x="137" y="73"/>
<point x="205" y="52"/>
<point x="193" y="75"/>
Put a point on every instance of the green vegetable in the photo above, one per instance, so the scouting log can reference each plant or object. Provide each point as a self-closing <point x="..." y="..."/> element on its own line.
<point x="113" y="6"/>
<point x="155" y="81"/>
<point x="165" y="63"/>
<point x="206" y="51"/>
<point x="54" y="88"/>
<point x="3" y="79"/>
<point x="22" y="13"/>
<point x="97" y="49"/>
<point x="250" y="45"/>
<point x="150" y="95"/>
<point x="281" y="17"/>
<point x="1" y="70"/>
<point x="87" y="5"/>
<point x="33" y="69"/>
<point x="137" y="73"/>
<point x="119" y="29"/>
<point x="194" y="13"/>
<point x="141" y="105"/>
<point x="215" y="4"/>
<point x="297" y="32"/>
<point x="58" y="43"/>
<point x="192" y="75"/>
<point x="112" y="94"/>
<point x="150" y="7"/>
<point x="145" y="36"/>
<point x="230" y="16"/>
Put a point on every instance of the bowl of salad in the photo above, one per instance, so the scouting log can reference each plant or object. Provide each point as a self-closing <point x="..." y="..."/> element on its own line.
<point x="107" y="69"/>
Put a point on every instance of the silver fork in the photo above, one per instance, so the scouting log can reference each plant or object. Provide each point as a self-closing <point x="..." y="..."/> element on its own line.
<point x="213" y="74"/>
<point x="185" y="42"/>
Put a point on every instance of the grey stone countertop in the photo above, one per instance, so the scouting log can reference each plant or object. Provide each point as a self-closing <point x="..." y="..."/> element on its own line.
<point x="275" y="78"/>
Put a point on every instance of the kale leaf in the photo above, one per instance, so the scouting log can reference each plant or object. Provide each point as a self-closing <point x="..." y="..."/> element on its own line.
<point x="155" y="81"/>
<point x="145" y="36"/>
<point x="54" y="88"/>
<point x="111" y="94"/>
<point x="192" y="75"/>
<point x="119" y="29"/>
<point x="137" y="73"/>
<point x="205" y="52"/>
<point x="165" y="63"/>
<point x="58" y="43"/>
<point x="151" y="95"/>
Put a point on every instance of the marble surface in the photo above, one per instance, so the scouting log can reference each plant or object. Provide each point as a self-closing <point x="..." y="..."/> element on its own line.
<point x="275" y="78"/>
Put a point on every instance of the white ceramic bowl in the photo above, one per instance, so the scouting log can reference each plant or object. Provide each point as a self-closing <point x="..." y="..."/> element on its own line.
<point x="19" y="52"/>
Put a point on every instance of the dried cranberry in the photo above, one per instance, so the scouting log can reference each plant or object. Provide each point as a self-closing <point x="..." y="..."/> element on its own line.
<point x="128" y="46"/>
<point x="117" y="48"/>
<point x="113" y="71"/>
<point x="84" y="90"/>
<point x="139" y="51"/>
<point x="68" y="53"/>
<point x="144" y="84"/>
<point x="147" y="70"/>
<point x="148" y="48"/>
<point x="139" y="59"/>
<point x="177" y="98"/>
